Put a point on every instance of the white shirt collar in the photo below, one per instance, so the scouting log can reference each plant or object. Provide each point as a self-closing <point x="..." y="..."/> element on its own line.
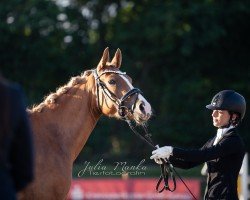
<point x="220" y="133"/>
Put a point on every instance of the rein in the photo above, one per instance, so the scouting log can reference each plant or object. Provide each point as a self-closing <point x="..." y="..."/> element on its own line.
<point x="167" y="169"/>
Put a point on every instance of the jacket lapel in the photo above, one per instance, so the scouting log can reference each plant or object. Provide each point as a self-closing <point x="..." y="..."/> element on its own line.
<point x="229" y="133"/>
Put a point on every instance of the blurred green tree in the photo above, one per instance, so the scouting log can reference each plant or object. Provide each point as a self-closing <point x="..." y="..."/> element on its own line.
<point x="39" y="42"/>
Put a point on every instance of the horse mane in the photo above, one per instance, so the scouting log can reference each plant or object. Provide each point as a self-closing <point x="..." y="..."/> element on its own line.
<point x="51" y="98"/>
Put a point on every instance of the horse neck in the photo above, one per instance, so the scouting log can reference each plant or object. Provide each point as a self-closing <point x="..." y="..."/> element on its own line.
<point x="71" y="122"/>
<point x="85" y="120"/>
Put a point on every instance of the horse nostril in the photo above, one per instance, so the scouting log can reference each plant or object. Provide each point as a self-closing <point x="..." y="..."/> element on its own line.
<point x="141" y="107"/>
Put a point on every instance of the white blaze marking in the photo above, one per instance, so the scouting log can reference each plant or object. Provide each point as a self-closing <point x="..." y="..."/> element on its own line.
<point x="147" y="106"/>
<point x="128" y="83"/>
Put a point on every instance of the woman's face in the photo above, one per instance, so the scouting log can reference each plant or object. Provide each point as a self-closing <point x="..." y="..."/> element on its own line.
<point x="220" y="118"/>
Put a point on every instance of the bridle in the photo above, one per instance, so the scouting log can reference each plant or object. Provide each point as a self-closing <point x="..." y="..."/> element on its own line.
<point x="167" y="169"/>
<point x="123" y="110"/>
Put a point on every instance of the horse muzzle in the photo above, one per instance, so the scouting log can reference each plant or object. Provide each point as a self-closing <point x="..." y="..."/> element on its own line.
<point x="142" y="110"/>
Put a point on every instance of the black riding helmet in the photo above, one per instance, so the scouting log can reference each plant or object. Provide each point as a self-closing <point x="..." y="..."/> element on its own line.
<point x="229" y="100"/>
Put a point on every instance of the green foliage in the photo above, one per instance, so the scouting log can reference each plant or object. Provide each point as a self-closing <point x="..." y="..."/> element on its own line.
<point x="33" y="48"/>
<point x="179" y="53"/>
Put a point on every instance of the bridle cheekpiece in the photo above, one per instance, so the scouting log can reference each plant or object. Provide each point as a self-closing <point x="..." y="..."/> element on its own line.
<point x="123" y="110"/>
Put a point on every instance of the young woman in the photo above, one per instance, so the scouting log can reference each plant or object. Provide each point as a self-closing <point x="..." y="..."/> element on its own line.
<point x="223" y="154"/>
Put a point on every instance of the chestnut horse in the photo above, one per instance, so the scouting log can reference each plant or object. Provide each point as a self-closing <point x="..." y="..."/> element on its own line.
<point x="64" y="121"/>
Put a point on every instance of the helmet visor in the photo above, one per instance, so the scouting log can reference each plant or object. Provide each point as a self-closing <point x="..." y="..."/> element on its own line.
<point x="211" y="107"/>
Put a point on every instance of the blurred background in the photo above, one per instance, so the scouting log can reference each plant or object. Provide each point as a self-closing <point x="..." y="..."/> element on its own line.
<point x="179" y="53"/>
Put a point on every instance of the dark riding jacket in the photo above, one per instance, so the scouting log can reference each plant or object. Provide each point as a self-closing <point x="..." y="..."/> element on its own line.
<point x="16" y="156"/>
<point x="224" y="161"/>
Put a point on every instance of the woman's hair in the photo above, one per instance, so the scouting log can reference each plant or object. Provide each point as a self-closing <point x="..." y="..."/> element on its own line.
<point x="237" y="120"/>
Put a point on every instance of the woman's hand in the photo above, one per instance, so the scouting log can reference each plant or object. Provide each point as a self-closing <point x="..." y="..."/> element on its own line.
<point x="163" y="152"/>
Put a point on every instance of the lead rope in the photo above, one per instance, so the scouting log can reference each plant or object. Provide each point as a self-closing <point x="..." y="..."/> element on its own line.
<point x="166" y="166"/>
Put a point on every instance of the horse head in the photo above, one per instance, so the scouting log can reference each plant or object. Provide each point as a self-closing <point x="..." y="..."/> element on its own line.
<point x="115" y="94"/>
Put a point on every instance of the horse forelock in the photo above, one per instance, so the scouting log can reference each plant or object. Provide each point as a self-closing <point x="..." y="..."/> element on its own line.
<point x="51" y="98"/>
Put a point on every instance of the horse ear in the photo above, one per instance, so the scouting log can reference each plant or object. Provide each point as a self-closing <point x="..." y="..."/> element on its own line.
<point x="117" y="60"/>
<point x="104" y="59"/>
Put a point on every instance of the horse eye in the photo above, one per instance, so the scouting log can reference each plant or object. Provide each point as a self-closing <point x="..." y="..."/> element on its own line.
<point x="112" y="82"/>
